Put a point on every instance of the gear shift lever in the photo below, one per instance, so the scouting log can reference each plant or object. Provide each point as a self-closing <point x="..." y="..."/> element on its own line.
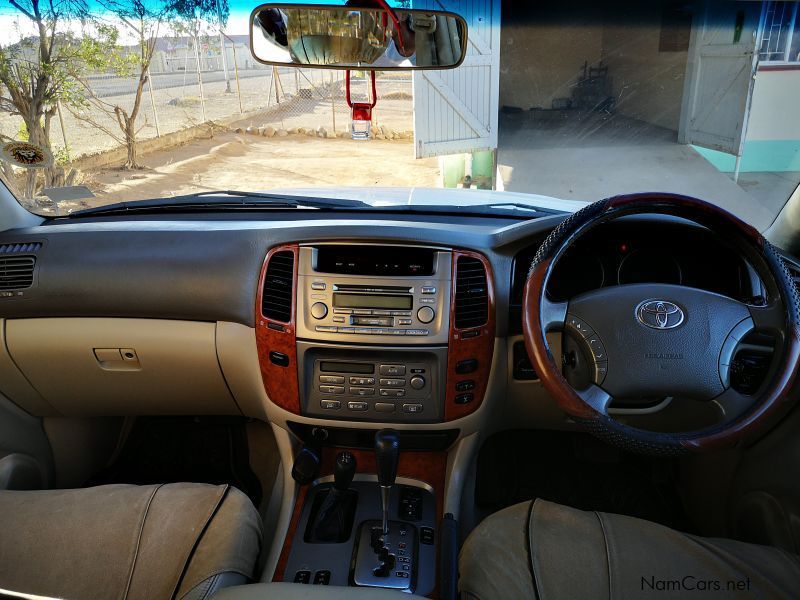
<point x="387" y="454"/>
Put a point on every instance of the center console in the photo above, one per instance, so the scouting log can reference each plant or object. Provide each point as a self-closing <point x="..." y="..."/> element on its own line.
<point x="375" y="333"/>
<point x="350" y="335"/>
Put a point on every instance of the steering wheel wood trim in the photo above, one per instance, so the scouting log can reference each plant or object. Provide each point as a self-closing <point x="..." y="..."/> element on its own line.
<point x="772" y="402"/>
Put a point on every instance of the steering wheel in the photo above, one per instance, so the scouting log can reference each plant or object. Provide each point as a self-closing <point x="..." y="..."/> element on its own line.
<point x="654" y="340"/>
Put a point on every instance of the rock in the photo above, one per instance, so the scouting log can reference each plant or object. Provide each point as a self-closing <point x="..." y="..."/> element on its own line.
<point x="269" y="132"/>
<point x="302" y="130"/>
<point x="293" y="131"/>
<point x="330" y="134"/>
<point x="311" y="133"/>
<point x="322" y="132"/>
<point x="282" y="133"/>
<point x="239" y="130"/>
<point x="252" y="130"/>
<point x="380" y="136"/>
<point x="343" y="134"/>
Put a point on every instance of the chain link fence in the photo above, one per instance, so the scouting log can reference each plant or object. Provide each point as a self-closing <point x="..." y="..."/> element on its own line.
<point x="257" y="96"/>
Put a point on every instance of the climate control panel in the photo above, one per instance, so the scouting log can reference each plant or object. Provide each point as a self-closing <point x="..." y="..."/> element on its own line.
<point x="384" y="384"/>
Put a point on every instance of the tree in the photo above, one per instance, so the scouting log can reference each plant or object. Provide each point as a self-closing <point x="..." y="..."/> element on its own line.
<point x="34" y="71"/>
<point x="142" y="19"/>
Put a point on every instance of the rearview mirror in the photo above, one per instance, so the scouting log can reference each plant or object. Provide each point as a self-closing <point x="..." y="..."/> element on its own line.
<point x="344" y="37"/>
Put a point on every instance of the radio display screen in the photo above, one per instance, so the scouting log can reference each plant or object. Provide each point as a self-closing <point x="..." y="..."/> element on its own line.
<point x="404" y="302"/>
<point x="328" y="366"/>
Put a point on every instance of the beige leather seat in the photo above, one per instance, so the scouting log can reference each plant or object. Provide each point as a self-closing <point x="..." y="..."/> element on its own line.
<point x="551" y="552"/>
<point x="122" y="541"/>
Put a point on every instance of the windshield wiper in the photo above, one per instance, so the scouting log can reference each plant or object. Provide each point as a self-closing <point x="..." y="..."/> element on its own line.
<point x="218" y="200"/>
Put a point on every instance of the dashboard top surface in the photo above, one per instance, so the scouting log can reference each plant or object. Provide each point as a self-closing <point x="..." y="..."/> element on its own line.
<point x="206" y="267"/>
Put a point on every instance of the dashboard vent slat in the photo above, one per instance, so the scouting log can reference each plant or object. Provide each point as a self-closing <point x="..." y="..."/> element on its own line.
<point x="16" y="272"/>
<point x="472" y="293"/>
<point x="276" y="300"/>
<point x="20" y="248"/>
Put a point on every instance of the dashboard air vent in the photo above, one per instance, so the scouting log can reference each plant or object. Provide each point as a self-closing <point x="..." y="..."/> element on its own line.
<point x="16" y="272"/>
<point x="276" y="301"/>
<point x="472" y="293"/>
<point x="20" y="248"/>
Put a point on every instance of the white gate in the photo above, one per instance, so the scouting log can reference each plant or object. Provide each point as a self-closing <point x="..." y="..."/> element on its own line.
<point x="456" y="110"/>
<point x="719" y="77"/>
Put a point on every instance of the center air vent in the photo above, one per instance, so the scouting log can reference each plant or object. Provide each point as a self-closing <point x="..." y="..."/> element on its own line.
<point x="472" y="293"/>
<point x="276" y="301"/>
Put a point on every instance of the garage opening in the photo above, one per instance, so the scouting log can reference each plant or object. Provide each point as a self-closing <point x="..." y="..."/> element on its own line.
<point x="601" y="98"/>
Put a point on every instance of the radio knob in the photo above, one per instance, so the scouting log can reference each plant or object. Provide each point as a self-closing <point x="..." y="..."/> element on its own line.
<point x="425" y="314"/>
<point x="417" y="382"/>
<point x="319" y="310"/>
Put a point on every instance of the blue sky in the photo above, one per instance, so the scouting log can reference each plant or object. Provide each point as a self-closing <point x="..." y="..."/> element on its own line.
<point x="11" y="21"/>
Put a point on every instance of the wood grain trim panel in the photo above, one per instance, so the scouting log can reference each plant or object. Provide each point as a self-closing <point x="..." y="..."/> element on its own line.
<point x="280" y="383"/>
<point x="430" y="467"/>
<point x="480" y="347"/>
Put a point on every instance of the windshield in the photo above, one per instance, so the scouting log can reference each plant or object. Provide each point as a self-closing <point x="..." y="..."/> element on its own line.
<point x="554" y="104"/>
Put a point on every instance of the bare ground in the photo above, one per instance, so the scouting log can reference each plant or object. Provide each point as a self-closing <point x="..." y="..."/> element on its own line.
<point x="245" y="162"/>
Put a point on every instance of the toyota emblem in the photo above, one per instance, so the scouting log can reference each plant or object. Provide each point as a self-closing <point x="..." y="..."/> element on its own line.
<point x="659" y="314"/>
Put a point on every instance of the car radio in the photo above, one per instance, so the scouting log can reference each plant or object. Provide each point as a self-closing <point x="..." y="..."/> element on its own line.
<point x="373" y="294"/>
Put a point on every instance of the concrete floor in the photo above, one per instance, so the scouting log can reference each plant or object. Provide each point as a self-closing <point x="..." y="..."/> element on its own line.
<point x="592" y="156"/>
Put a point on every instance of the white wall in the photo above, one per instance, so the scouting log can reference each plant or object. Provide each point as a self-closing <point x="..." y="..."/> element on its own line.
<point x="775" y="110"/>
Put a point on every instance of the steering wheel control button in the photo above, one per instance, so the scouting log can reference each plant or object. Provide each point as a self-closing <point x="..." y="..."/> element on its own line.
<point x="330" y="404"/>
<point x="359" y="406"/>
<point x="728" y="352"/>
<point x="417" y="382"/>
<point x="412" y="408"/>
<point x="579" y="326"/>
<point x="465" y="367"/>
<point x="597" y="349"/>
<point x="600" y="372"/>
<point x="465" y="386"/>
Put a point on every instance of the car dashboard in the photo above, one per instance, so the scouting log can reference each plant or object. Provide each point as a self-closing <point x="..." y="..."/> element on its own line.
<point x="315" y="322"/>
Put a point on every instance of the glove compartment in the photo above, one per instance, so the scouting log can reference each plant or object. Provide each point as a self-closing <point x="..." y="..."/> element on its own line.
<point x="109" y="366"/>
